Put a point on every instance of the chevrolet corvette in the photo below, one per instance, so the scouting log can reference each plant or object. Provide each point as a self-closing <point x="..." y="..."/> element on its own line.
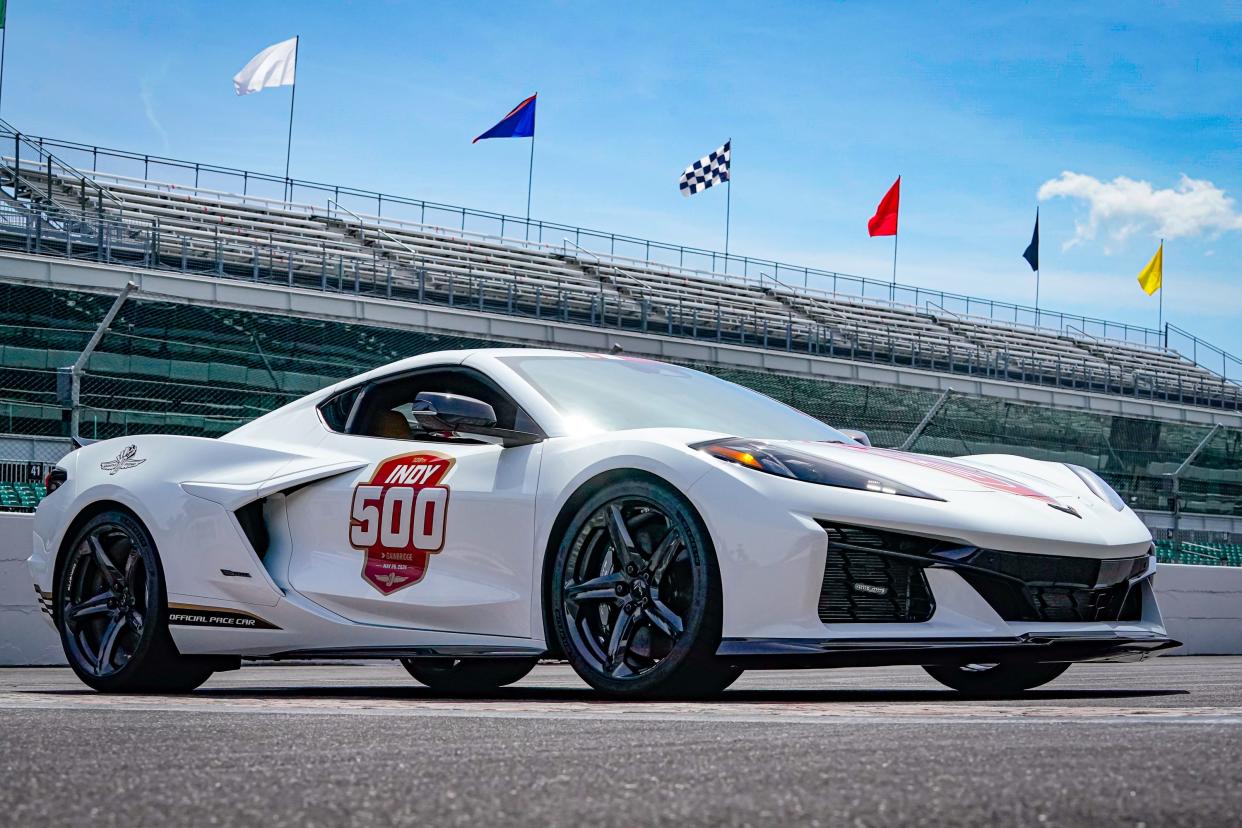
<point x="471" y="512"/>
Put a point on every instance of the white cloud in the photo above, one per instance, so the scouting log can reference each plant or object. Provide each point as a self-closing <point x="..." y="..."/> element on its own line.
<point x="146" y="93"/>
<point x="1123" y="207"/>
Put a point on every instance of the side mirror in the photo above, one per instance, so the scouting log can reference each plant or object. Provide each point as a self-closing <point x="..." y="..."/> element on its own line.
<point x="465" y="415"/>
<point x="454" y="410"/>
<point x="857" y="436"/>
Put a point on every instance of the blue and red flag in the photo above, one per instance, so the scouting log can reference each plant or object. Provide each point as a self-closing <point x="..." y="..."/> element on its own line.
<point x="520" y="123"/>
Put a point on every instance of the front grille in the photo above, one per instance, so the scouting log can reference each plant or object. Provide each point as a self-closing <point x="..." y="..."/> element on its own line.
<point x="874" y="575"/>
<point x="1056" y="588"/>
<point x="864" y="586"/>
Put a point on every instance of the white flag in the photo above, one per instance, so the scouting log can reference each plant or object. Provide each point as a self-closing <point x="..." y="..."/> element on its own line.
<point x="274" y="66"/>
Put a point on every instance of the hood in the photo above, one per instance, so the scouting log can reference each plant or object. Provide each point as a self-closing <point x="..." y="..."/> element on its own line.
<point x="938" y="476"/>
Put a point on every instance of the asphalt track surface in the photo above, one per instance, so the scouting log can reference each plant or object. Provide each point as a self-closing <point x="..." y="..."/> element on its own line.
<point x="1155" y="744"/>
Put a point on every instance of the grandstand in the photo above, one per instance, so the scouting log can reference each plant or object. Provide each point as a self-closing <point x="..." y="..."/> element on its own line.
<point x="166" y="364"/>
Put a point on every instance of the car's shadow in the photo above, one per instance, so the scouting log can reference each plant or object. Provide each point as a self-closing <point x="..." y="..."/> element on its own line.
<point x="581" y="695"/>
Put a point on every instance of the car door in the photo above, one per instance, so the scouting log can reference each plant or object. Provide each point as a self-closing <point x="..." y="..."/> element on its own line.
<point x="434" y="533"/>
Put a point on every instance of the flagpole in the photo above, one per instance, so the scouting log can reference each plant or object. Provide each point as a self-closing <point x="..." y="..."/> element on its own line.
<point x="4" y="39"/>
<point x="530" y="179"/>
<point x="728" y="203"/>
<point x="1160" y="317"/>
<point x="1037" y="297"/>
<point x="297" y="41"/>
<point x="892" y="290"/>
<point x="1038" y="262"/>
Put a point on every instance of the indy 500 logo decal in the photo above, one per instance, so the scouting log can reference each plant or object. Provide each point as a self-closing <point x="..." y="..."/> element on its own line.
<point x="397" y="519"/>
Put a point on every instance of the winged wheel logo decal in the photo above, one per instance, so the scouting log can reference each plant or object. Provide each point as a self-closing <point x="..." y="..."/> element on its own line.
<point x="124" y="460"/>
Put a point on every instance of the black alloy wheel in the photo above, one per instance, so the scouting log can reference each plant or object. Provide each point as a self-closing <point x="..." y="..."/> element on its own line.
<point x="109" y="611"/>
<point x="636" y="595"/>
<point x="995" y="679"/>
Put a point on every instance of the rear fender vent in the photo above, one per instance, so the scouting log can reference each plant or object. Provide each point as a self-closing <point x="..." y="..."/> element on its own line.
<point x="250" y="518"/>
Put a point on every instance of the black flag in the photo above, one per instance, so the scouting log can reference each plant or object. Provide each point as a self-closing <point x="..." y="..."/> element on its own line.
<point x="1032" y="250"/>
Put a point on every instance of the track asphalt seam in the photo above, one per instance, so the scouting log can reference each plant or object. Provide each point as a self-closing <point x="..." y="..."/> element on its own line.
<point x="962" y="717"/>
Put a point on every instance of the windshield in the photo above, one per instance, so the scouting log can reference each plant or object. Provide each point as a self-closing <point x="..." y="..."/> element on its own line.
<point x="616" y="393"/>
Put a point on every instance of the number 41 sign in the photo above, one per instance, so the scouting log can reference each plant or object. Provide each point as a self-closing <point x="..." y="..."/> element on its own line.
<point x="397" y="519"/>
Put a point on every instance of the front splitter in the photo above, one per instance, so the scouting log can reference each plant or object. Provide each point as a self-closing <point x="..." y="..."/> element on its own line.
<point x="791" y="653"/>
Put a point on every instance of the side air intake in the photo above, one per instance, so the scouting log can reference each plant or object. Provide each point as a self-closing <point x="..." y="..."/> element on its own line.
<point x="250" y="517"/>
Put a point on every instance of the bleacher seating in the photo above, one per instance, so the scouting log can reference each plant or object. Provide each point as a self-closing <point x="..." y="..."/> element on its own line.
<point x="20" y="496"/>
<point x="240" y="236"/>
<point x="1200" y="554"/>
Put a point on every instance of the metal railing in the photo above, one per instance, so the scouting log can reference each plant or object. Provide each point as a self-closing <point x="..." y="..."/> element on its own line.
<point x="515" y="230"/>
<point x="1203" y="353"/>
<point x="147" y="244"/>
<point x="28" y="153"/>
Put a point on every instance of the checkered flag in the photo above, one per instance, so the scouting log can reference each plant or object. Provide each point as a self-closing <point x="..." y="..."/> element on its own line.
<point x="712" y="169"/>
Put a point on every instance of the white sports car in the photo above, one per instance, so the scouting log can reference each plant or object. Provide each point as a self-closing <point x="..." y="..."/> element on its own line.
<point x="469" y="512"/>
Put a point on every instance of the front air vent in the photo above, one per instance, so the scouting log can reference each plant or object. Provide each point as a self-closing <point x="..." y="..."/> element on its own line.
<point x="877" y="575"/>
<point x="862" y="586"/>
<point x="250" y="518"/>
<point x="1057" y="588"/>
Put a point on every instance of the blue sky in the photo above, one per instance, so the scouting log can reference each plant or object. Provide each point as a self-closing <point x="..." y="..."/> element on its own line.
<point x="977" y="105"/>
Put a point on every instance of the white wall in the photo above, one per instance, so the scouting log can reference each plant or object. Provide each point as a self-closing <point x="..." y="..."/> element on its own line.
<point x="25" y="635"/>
<point x="1202" y="605"/>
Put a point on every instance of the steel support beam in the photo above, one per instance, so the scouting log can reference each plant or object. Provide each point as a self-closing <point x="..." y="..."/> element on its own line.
<point x="1176" y="480"/>
<point x="926" y="421"/>
<point x="75" y="370"/>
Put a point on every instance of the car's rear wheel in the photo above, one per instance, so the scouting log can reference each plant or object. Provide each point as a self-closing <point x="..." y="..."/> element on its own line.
<point x="110" y="611"/>
<point x="456" y="675"/>
<point x="995" y="679"/>
<point x="636" y="597"/>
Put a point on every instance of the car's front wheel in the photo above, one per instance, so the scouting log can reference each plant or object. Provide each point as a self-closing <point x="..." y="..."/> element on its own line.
<point x="456" y="675"/>
<point x="636" y="596"/>
<point x="110" y="611"/>
<point x="995" y="679"/>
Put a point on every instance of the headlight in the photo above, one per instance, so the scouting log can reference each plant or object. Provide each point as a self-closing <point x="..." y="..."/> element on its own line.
<point x="785" y="462"/>
<point x="1097" y="485"/>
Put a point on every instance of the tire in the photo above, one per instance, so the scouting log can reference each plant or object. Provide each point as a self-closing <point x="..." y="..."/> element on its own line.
<point x="111" y="611"/>
<point x="449" y="675"/>
<point x="995" y="679"/>
<point x="635" y="595"/>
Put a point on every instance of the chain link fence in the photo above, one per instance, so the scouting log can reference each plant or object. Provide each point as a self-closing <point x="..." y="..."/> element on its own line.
<point x="191" y="369"/>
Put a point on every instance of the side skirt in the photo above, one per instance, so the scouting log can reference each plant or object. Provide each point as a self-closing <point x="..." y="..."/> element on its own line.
<point x="442" y="651"/>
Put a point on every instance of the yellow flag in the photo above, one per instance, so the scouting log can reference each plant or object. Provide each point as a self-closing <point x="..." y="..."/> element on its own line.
<point x="1152" y="276"/>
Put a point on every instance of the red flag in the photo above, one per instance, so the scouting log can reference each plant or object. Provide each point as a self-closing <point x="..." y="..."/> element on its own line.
<point x="884" y="222"/>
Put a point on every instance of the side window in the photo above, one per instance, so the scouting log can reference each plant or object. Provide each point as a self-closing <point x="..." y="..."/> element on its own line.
<point x="385" y="408"/>
<point x="336" y="410"/>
